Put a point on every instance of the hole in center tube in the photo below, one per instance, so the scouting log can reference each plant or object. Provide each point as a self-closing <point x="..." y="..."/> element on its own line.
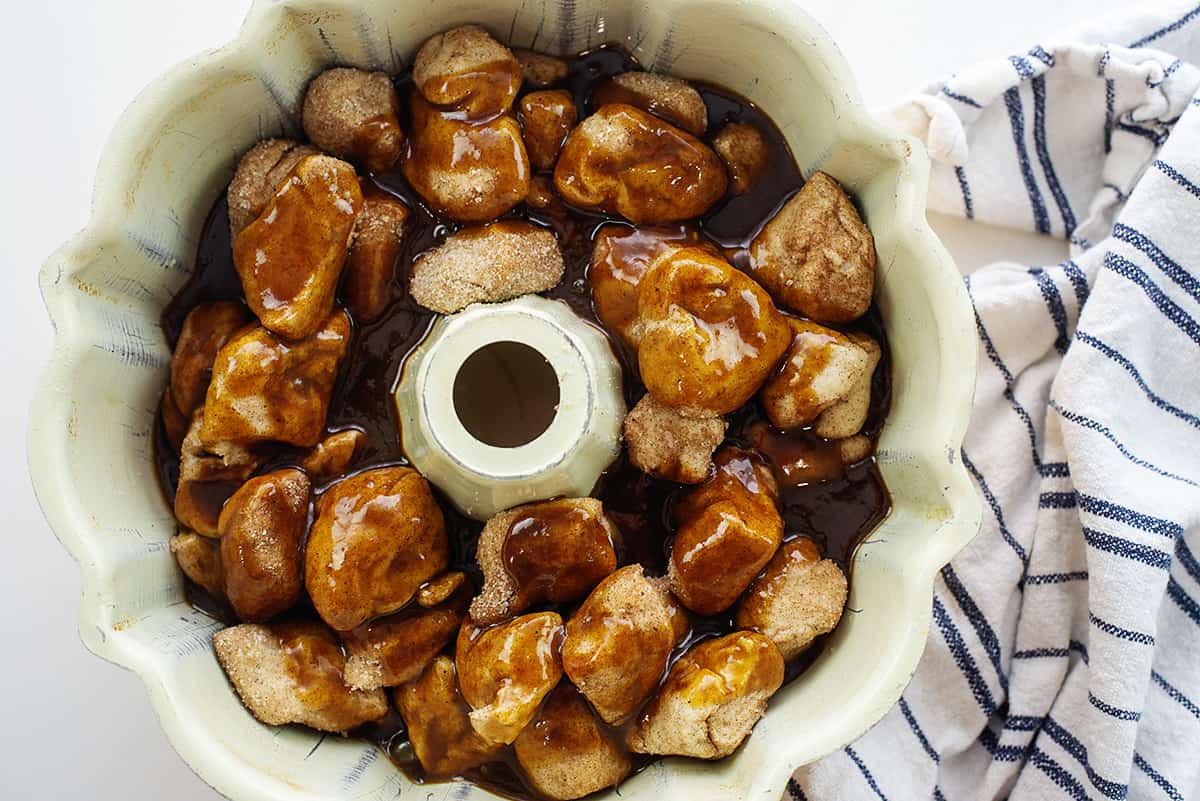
<point x="506" y="394"/>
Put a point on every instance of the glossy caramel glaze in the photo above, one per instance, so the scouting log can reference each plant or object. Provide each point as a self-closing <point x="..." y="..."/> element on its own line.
<point x="550" y="536"/>
<point x="837" y="513"/>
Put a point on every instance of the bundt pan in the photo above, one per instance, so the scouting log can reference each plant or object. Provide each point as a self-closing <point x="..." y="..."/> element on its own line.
<point x="172" y="154"/>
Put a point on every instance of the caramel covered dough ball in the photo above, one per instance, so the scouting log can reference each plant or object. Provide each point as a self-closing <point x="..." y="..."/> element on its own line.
<point x="352" y="114"/>
<point x="259" y="173"/>
<point x="662" y="95"/>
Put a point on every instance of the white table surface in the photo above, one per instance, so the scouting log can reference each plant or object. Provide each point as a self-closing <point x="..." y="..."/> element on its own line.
<point x="77" y="727"/>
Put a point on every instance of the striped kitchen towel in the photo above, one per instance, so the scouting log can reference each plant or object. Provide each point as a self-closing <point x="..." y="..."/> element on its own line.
<point x="1064" y="656"/>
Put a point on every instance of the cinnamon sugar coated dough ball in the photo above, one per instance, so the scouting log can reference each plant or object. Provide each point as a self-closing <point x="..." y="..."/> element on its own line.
<point x="505" y="671"/>
<point x="625" y="161"/>
<point x="200" y="560"/>
<point x="619" y="640"/>
<point x="662" y="95"/>
<point x="710" y="336"/>
<point x="378" y="536"/>
<point x="371" y="264"/>
<point x="262" y="528"/>
<point x="208" y="478"/>
<point x="744" y="152"/>
<point x="206" y="328"/>
<point x="266" y="389"/>
<point x="435" y="716"/>
<point x="728" y="528"/>
<point x="711" y="699"/>
<point x="466" y="69"/>
<point x="292" y="673"/>
<point x="821" y="368"/>
<point x="330" y="457"/>
<point x="351" y="113"/>
<point x="620" y="257"/>
<point x="291" y="257"/>
<point x="546" y="119"/>
<point x="815" y="256"/>
<point x="394" y="650"/>
<point x="258" y="175"/>
<point x="471" y="172"/>
<point x="550" y="551"/>
<point x="846" y="417"/>
<point x="798" y="597"/>
<point x="487" y="264"/>
<point x="539" y="69"/>
<point x="668" y="445"/>
<point x="564" y="754"/>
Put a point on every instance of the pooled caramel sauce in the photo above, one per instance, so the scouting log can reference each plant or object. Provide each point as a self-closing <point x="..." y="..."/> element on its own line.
<point x="836" y="513"/>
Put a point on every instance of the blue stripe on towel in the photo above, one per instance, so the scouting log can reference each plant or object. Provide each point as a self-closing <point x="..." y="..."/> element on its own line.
<point x="1163" y="31"/>
<point x="1016" y="118"/>
<point x="1001" y="753"/>
<point x="1069" y="743"/>
<point x="1138" y="637"/>
<point x="961" y="98"/>
<point x="968" y="203"/>
<point x="1186" y="603"/>
<point x="1057" y="500"/>
<point x="916" y="730"/>
<point x="1175" y="695"/>
<point x="1123" y="514"/>
<point x="1038" y="85"/>
<point x="1184" y="279"/>
<point x="1057" y="774"/>
<point x="983" y="629"/>
<point x="1042" y="653"/>
<point x="1153" y="397"/>
<point x="1127" y="549"/>
<point x="1023" y="722"/>
<point x="1054" y="305"/>
<point x="1112" y="711"/>
<point x="962" y="658"/>
<point x="1187" y="559"/>
<point x="1078" y="281"/>
<point x="1056" y="578"/>
<point x="1176" y="176"/>
<point x="797" y="793"/>
<point x="1157" y="778"/>
<point x="996" y="510"/>
<point x="866" y="773"/>
<point x="1103" y="430"/>
<point x="1171" y="310"/>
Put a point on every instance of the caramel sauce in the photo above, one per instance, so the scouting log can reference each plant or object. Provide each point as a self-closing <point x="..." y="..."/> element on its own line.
<point x="837" y="512"/>
<point x="479" y="95"/>
<point x="379" y="142"/>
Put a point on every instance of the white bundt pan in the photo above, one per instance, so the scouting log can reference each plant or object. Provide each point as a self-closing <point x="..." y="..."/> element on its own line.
<point x="172" y="154"/>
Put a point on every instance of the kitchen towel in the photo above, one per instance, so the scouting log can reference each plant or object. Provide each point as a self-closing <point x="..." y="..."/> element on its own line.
<point x="1063" y="661"/>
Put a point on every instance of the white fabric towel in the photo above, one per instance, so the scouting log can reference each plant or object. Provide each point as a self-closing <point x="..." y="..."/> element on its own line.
<point x="1064" y="656"/>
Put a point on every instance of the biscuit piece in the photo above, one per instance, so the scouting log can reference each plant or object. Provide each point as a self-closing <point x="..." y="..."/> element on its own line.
<point x="436" y="591"/>
<point x="258" y="175"/>
<point x="664" y="96"/>
<point x="710" y="336"/>
<point x="546" y="119"/>
<point x="798" y="597"/>
<point x="291" y="257"/>
<point x="492" y="263"/>
<point x="378" y="536"/>
<point x="292" y="673"/>
<point x="206" y="328"/>
<point x="466" y="69"/>
<point x="262" y="529"/>
<point x="371" y="265"/>
<point x="551" y="551"/>
<point x="626" y="161"/>
<point x="267" y="389"/>
<point x="619" y="640"/>
<point x="744" y="152"/>
<point x="729" y="527"/>
<point x="438" y="727"/>
<point x="351" y="113"/>
<point x="801" y="457"/>
<point x="394" y="650"/>
<point x="472" y="172"/>
<point x="846" y="417"/>
<point x="664" y="443"/>
<point x="505" y="672"/>
<point x="539" y="69"/>
<point x="207" y="477"/>
<point x="822" y="367"/>
<point x="816" y="256"/>
<point x="200" y="560"/>
<point x="711" y="699"/>
<point x="564" y="753"/>
<point x="330" y="457"/>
